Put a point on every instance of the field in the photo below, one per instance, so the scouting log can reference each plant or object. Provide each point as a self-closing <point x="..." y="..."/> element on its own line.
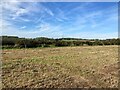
<point x="60" y="67"/>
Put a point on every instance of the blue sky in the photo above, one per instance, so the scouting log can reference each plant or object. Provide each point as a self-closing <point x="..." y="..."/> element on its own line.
<point x="61" y="19"/>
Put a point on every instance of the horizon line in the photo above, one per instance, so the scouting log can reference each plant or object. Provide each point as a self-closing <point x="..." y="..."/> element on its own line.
<point x="57" y="37"/>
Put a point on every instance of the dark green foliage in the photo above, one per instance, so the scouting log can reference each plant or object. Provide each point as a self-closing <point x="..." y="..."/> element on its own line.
<point x="9" y="40"/>
<point x="61" y="43"/>
<point x="16" y="42"/>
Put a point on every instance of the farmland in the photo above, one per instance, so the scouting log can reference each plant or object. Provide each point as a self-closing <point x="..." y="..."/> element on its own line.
<point x="60" y="67"/>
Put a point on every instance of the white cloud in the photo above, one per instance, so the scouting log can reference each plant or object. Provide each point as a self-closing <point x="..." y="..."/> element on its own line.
<point x="93" y="22"/>
<point x="43" y="30"/>
<point x="14" y="10"/>
<point x="39" y="19"/>
<point x="21" y="11"/>
<point x="12" y="6"/>
<point x="49" y="30"/>
<point x="23" y="27"/>
<point x="93" y="35"/>
<point x="26" y="20"/>
<point x="59" y="19"/>
<point x="61" y="16"/>
<point x="49" y="11"/>
<point x="82" y="7"/>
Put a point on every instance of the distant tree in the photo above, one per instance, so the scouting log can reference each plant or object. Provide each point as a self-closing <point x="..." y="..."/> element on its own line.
<point x="13" y="41"/>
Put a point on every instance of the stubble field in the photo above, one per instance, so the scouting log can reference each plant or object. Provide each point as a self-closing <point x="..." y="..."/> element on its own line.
<point x="60" y="67"/>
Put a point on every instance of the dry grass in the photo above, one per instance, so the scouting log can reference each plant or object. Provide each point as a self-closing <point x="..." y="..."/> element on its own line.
<point x="86" y="66"/>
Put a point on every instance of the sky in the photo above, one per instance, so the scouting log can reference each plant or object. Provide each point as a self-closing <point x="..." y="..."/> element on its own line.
<point x="88" y="20"/>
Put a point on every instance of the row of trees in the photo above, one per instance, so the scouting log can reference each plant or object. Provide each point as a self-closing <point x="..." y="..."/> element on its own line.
<point x="16" y="42"/>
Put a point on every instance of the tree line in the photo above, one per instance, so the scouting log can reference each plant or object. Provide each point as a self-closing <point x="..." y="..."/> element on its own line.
<point x="16" y="42"/>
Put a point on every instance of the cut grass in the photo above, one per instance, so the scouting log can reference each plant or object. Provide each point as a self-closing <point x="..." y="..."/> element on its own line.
<point x="67" y="67"/>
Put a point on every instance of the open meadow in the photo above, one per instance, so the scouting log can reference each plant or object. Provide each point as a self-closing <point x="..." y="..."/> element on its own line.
<point x="60" y="67"/>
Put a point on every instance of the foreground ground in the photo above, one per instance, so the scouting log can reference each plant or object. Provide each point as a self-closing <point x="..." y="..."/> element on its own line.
<point x="64" y="67"/>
